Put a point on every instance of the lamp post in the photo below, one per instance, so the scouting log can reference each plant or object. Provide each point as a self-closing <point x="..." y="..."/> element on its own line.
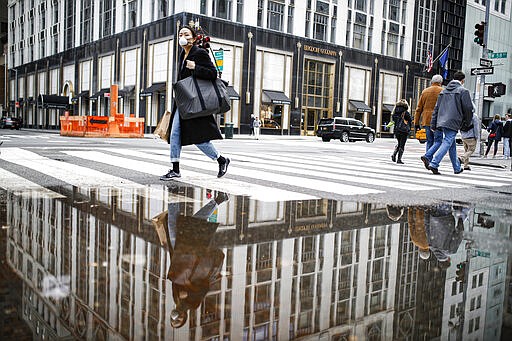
<point x="15" y="92"/>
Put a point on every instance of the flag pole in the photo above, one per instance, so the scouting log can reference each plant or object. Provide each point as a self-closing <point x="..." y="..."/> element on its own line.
<point x="437" y="58"/>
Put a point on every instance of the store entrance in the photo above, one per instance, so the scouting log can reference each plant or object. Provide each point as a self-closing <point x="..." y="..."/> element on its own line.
<point x="311" y="117"/>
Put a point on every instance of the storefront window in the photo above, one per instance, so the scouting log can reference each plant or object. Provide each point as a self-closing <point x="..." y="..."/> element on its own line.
<point x="271" y="116"/>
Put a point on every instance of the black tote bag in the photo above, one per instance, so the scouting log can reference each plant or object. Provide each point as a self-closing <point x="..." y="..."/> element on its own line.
<point x="200" y="97"/>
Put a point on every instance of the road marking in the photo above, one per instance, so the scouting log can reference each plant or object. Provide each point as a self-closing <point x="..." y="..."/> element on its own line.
<point x="256" y="192"/>
<point x="23" y="187"/>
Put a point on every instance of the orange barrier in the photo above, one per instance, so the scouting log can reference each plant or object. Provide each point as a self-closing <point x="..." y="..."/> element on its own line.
<point x="102" y="126"/>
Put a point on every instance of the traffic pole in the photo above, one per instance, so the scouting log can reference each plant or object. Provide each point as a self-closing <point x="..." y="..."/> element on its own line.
<point x="479" y="95"/>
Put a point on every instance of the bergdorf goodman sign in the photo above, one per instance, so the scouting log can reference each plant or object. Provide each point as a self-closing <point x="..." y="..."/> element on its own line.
<point x="320" y="50"/>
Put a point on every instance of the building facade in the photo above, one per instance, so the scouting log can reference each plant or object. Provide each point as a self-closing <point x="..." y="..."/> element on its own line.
<point x="291" y="62"/>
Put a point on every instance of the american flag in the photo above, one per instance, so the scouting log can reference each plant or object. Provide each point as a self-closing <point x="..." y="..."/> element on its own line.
<point x="429" y="63"/>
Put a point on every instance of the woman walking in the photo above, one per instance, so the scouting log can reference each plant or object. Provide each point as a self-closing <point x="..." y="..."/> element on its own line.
<point x="194" y="61"/>
<point x="402" y="122"/>
<point x="495" y="131"/>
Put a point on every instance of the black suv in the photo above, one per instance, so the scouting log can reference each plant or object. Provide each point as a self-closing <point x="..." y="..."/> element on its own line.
<point x="345" y="129"/>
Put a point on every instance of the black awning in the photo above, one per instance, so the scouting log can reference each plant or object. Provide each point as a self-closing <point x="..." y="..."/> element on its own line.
<point x="232" y="93"/>
<point x="156" y="87"/>
<point x="84" y="94"/>
<point x="388" y="107"/>
<point x="100" y="93"/>
<point x="275" y="97"/>
<point x="126" y="91"/>
<point x="359" y="106"/>
<point x="52" y="102"/>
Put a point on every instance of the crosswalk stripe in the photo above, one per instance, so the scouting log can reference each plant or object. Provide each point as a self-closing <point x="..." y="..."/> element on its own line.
<point x="75" y="175"/>
<point x="236" y="169"/>
<point x="257" y="192"/>
<point x="416" y="170"/>
<point x="23" y="187"/>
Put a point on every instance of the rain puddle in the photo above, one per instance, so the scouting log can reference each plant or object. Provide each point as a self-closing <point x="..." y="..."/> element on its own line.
<point x="178" y="263"/>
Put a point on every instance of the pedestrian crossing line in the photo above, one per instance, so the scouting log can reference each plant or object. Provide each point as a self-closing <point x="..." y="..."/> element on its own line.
<point x="418" y="170"/>
<point x="234" y="169"/>
<point x="235" y="187"/>
<point x="9" y="136"/>
<point x="357" y="173"/>
<point x="75" y="175"/>
<point x="404" y="179"/>
<point x="22" y="187"/>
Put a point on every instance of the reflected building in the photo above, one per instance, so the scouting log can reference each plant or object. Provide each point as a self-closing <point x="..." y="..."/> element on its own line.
<point x="94" y="267"/>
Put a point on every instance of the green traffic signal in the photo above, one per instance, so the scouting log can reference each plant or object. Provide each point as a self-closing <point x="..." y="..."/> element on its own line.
<point x="479" y="33"/>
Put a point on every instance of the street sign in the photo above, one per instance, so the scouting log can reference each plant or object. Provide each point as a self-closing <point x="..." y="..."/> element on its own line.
<point x="482" y="71"/>
<point x="485" y="62"/>
<point x="497" y="55"/>
<point x="481" y="253"/>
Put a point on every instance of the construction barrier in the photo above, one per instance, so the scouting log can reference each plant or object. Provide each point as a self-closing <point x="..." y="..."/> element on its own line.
<point x="102" y="126"/>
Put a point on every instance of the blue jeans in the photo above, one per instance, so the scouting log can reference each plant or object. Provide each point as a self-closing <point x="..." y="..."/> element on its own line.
<point x="430" y="137"/>
<point x="447" y="146"/>
<point x="206" y="147"/>
<point x="437" y="139"/>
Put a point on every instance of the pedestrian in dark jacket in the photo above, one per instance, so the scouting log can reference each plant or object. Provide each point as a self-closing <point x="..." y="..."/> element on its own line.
<point x="453" y="111"/>
<point x="402" y="122"/>
<point x="194" y="61"/>
<point x="495" y="130"/>
<point x="507" y="132"/>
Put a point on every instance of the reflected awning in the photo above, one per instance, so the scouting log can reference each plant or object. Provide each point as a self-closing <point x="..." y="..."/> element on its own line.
<point x="126" y="91"/>
<point x="388" y="107"/>
<point x="156" y="87"/>
<point x="52" y="102"/>
<point x="232" y="93"/>
<point x="101" y="93"/>
<point x="359" y="106"/>
<point x="275" y="97"/>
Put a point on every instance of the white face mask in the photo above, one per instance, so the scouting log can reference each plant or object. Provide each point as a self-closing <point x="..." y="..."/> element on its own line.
<point x="183" y="41"/>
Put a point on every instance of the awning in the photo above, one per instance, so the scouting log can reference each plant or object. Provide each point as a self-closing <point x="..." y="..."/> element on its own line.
<point x="156" y="87"/>
<point x="126" y="91"/>
<point x="388" y="107"/>
<point x="52" y="102"/>
<point x="232" y="93"/>
<point x="275" y="97"/>
<point x="359" y="106"/>
<point x="100" y="93"/>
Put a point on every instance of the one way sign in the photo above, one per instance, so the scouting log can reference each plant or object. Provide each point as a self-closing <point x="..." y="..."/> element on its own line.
<point x="482" y="71"/>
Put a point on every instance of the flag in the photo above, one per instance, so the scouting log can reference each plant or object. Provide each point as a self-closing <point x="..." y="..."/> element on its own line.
<point x="443" y="60"/>
<point x="429" y="62"/>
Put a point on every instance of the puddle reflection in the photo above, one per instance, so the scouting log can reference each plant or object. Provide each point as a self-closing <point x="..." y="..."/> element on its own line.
<point x="175" y="263"/>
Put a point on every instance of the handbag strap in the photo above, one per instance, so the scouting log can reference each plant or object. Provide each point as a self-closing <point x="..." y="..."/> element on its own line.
<point x="199" y="94"/>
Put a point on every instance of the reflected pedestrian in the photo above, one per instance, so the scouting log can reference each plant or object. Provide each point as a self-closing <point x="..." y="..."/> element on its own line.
<point x="453" y="111"/>
<point x="195" y="263"/>
<point x="200" y="131"/>
<point x="426" y="105"/>
<point x="256" y="127"/>
<point x="402" y="123"/>
<point x="416" y="221"/>
<point x="469" y="139"/>
<point x="495" y="130"/>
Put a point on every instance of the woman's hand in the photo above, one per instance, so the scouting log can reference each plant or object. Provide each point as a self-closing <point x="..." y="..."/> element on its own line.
<point x="190" y="65"/>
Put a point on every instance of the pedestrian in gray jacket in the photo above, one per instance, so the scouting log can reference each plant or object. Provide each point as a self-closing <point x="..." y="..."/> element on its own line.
<point x="469" y="139"/>
<point x="453" y="111"/>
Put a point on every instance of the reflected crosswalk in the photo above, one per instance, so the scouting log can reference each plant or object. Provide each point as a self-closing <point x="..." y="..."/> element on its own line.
<point x="265" y="176"/>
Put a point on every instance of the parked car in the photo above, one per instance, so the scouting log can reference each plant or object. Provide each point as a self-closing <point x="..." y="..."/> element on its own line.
<point x="484" y="135"/>
<point x="345" y="129"/>
<point x="10" y="122"/>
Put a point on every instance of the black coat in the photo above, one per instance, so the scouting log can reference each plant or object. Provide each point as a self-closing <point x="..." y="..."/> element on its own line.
<point x="201" y="129"/>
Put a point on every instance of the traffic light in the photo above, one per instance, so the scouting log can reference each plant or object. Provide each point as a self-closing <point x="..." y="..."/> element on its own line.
<point x="497" y="90"/>
<point x="479" y="33"/>
<point x="460" y="272"/>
